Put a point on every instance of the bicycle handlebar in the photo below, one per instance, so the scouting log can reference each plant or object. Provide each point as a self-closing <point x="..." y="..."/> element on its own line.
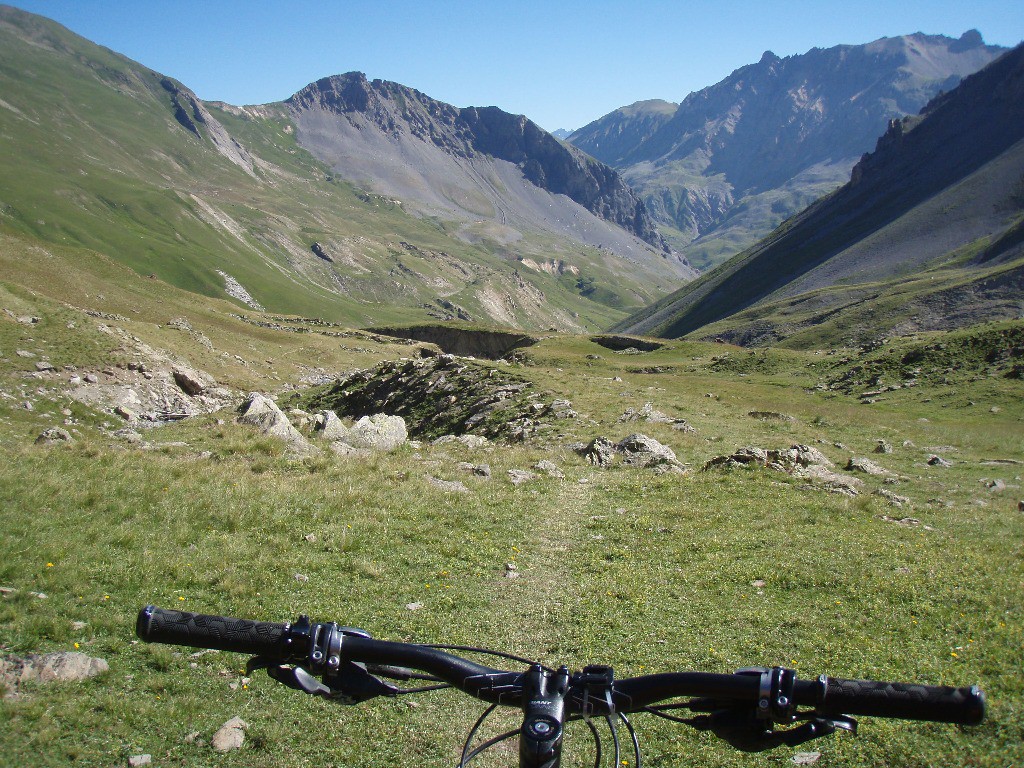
<point x="288" y="644"/>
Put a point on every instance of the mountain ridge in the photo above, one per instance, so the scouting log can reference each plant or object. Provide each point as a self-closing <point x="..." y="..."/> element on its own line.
<point x="738" y="157"/>
<point x="940" y="197"/>
<point x="400" y="112"/>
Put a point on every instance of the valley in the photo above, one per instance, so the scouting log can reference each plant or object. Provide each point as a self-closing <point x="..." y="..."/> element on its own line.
<point x="429" y="371"/>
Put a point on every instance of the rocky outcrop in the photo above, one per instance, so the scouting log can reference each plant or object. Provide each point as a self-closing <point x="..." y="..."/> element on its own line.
<point x="804" y="462"/>
<point x="194" y="117"/>
<point x="454" y="340"/>
<point x="443" y="396"/>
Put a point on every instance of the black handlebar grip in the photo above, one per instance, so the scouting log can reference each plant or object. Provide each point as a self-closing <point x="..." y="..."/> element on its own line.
<point x="964" y="706"/>
<point x="258" y="638"/>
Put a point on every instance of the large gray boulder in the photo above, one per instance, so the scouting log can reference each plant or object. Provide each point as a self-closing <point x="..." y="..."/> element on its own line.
<point x="642" y="451"/>
<point x="262" y="412"/>
<point x="379" y="432"/>
<point x="192" y="381"/>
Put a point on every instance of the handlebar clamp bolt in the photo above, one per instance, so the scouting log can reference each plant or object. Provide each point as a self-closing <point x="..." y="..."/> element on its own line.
<point x="333" y="662"/>
<point x="317" y="656"/>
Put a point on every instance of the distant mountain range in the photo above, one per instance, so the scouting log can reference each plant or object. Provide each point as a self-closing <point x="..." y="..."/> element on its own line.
<point x="354" y="201"/>
<point x="927" y="235"/>
<point x="728" y="164"/>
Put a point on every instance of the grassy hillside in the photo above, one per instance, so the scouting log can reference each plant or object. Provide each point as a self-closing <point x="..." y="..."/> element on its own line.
<point x="710" y="570"/>
<point x="104" y="154"/>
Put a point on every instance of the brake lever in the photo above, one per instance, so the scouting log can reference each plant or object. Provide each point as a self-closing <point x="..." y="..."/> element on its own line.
<point x="349" y="685"/>
<point x="744" y="731"/>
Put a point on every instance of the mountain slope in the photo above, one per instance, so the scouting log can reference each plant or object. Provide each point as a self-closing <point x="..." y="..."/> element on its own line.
<point x="941" y="201"/>
<point x="472" y="164"/>
<point x="738" y="157"/>
<point x="99" y="152"/>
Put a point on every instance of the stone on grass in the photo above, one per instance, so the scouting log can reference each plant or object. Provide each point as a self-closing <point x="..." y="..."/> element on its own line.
<point x="450" y="486"/>
<point x="262" y="412"/>
<point x="138" y="760"/>
<point x="480" y="470"/>
<point x="643" y="451"/>
<point x="64" y="666"/>
<point x="230" y="736"/>
<point x="54" y="436"/>
<point x="519" y="476"/>
<point x="600" y="452"/>
<point x="379" y="432"/>
<point x="938" y="461"/>
<point x="549" y="468"/>
<point x="191" y="381"/>
<point x="893" y="498"/>
<point x="868" y="467"/>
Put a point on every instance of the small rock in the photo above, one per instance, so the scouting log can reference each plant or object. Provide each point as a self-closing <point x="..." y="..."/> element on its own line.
<point x="125" y="413"/>
<point x="301" y="578"/>
<point x="519" y="476"/>
<point x="54" y="436"/>
<point x="938" y="461"/>
<point x="882" y="447"/>
<point x="78" y="626"/>
<point x="61" y="666"/>
<point x="451" y="486"/>
<point x="600" y="452"/>
<point x="758" y="583"/>
<point x="310" y="537"/>
<point x="1020" y="506"/>
<point x="44" y="366"/>
<point x="893" y="498"/>
<point x="549" y="468"/>
<point x="996" y="486"/>
<point x="92" y="378"/>
<point x="230" y="736"/>
<point x="413" y="606"/>
<point x="806" y="758"/>
<point x="480" y="470"/>
<point x="192" y="382"/>
<point x="866" y="466"/>
<point x="642" y="451"/>
<point x="24" y="353"/>
<point x="138" y="760"/>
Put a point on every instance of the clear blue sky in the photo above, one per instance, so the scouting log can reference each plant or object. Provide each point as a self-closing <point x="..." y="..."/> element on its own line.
<point x="561" y="63"/>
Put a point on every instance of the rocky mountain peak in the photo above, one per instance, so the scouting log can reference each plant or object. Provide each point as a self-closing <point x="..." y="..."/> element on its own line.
<point x="404" y="114"/>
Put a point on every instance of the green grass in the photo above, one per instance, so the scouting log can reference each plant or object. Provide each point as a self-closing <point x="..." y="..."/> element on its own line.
<point x="644" y="572"/>
<point x="94" y="159"/>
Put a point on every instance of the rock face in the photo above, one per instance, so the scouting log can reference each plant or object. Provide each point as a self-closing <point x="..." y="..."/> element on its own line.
<point x="934" y="184"/>
<point x="738" y="157"/>
<point x="417" y="126"/>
